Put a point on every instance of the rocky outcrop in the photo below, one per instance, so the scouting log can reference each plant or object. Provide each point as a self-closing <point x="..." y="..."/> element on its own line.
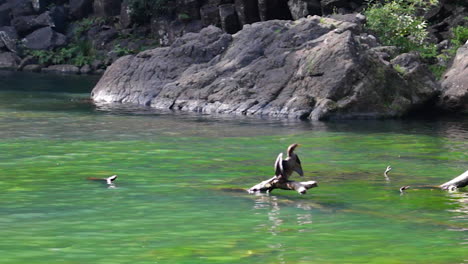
<point x="313" y="68"/>
<point x="44" y="39"/>
<point x="455" y="84"/>
<point x="9" y="60"/>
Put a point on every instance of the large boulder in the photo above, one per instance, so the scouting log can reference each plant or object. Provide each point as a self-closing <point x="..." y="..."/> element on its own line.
<point x="455" y="84"/>
<point x="27" y="24"/>
<point x="9" y="60"/>
<point x="22" y="8"/>
<point x="313" y="68"/>
<point x="44" y="39"/>
<point x="8" y="38"/>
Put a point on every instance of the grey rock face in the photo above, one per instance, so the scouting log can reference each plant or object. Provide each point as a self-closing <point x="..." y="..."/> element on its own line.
<point x="455" y="83"/>
<point x="44" y="39"/>
<point x="27" y="24"/>
<point x="8" y="38"/>
<point x="312" y="68"/>
<point x="9" y="60"/>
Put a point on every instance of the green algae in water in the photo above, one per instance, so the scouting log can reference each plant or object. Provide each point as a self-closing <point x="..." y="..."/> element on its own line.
<point x="179" y="199"/>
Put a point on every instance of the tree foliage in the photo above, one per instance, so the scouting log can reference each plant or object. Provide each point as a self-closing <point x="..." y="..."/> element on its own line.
<point x="397" y="23"/>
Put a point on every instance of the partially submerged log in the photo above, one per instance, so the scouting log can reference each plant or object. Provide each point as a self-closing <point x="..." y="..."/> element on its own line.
<point x="274" y="183"/>
<point x="458" y="182"/>
<point x="284" y="169"/>
<point x="452" y="185"/>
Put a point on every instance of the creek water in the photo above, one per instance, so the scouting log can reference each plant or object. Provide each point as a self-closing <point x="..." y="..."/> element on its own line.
<point x="180" y="193"/>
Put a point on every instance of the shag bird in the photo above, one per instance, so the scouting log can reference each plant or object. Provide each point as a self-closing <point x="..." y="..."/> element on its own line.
<point x="108" y="180"/>
<point x="387" y="171"/>
<point x="284" y="168"/>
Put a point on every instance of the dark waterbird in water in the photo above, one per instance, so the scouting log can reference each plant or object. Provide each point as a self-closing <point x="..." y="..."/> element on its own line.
<point x="108" y="180"/>
<point x="292" y="163"/>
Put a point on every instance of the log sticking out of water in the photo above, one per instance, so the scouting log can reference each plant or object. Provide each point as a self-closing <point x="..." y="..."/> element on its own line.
<point x="458" y="182"/>
<point x="275" y="183"/>
<point x="452" y="185"/>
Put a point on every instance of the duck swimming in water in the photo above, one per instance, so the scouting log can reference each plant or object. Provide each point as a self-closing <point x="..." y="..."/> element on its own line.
<point x="292" y="163"/>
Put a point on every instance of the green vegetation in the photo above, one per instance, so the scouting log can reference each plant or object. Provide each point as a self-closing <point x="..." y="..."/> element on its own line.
<point x="401" y="23"/>
<point x="122" y="51"/>
<point x="460" y="36"/>
<point x="397" y="23"/>
<point x="142" y="10"/>
<point x="77" y="53"/>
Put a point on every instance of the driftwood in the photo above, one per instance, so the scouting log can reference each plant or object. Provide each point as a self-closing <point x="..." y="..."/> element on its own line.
<point x="283" y="170"/>
<point x="458" y="182"/>
<point x="452" y="185"/>
<point x="275" y="183"/>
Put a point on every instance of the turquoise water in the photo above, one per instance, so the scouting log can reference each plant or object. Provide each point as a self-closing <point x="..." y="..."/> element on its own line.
<point x="179" y="197"/>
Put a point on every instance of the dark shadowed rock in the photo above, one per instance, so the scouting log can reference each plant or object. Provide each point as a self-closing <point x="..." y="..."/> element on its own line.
<point x="27" y="24"/>
<point x="455" y="84"/>
<point x="188" y="8"/>
<point x="8" y="38"/>
<point x="313" y="68"/>
<point x="22" y="8"/>
<point x="59" y="17"/>
<point x="273" y="9"/>
<point x="125" y="17"/>
<point x="40" y="5"/>
<point x="107" y="8"/>
<point x="5" y="10"/>
<point x="9" y="60"/>
<point x="229" y="20"/>
<point x="44" y="39"/>
<point x="168" y="30"/>
<point x="303" y="8"/>
<point x="62" y="68"/>
<point x="210" y="15"/>
<point x="80" y="8"/>
<point x="247" y="11"/>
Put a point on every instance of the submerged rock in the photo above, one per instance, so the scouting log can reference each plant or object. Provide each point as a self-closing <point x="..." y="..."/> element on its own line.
<point x="312" y="68"/>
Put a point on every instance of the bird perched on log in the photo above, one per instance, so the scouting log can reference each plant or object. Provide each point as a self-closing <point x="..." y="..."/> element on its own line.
<point x="292" y="163"/>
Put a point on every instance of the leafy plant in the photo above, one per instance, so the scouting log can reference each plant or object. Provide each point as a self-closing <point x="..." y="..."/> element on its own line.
<point x="77" y="53"/>
<point x="396" y="23"/>
<point x="122" y="51"/>
<point x="460" y="36"/>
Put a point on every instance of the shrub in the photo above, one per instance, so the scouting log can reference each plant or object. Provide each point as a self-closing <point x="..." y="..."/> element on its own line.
<point x="78" y="54"/>
<point x="396" y="23"/>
